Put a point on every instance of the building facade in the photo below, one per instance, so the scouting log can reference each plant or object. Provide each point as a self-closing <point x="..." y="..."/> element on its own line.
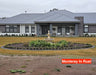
<point x="59" y="22"/>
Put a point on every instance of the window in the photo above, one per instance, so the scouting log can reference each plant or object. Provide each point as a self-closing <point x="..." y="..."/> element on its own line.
<point x="15" y="28"/>
<point x="32" y="29"/>
<point x="54" y="29"/>
<point x="67" y="30"/>
<point x="7" y="28"/>
<point x="26" y="29"/>
<point x="11" y="28"/>
<point x="86" y="28"/>
<point x="59" y="29"/>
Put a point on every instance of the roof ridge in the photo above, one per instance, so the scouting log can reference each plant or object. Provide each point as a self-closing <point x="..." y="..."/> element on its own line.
<point x="32" y="13"/>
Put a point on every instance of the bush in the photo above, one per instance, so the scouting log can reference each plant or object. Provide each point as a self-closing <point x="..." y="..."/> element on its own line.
<point x="57" y="69"/>
<point x="63" y="43"/>
<point x="42" y="43"/>
<point x="68" y="66"/>
<point x="86" y="35"/>
<point x="18" y="70"/>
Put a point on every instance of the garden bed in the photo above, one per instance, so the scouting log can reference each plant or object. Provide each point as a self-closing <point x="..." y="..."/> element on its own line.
<point x="43" y="45"/>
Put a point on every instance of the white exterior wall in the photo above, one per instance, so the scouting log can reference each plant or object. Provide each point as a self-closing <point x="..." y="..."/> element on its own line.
<point x="35" y="29"/>
<point x="22" y="29"/>
<point x="29" y="29"/>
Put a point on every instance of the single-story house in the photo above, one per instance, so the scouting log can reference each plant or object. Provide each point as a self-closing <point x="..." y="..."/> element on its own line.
<point x="59" y="22"/>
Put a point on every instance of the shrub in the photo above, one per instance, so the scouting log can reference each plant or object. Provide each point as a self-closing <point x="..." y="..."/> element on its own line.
<point x="63" y="43"/>
<point x="13" y="35"/>
<point x="57" y="69"/>
<point x="42" y="43"/>
<point x="13" y="71"/>
<point x="68" y="66"/>
<point x="24" y="66"/>
<point x="39" y="43"/>
<point x="86" y="35"/>
<point x="18" y="70"/>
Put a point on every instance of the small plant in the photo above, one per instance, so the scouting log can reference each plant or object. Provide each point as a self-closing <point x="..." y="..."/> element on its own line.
<point x="18" y="70"/>
<point x="24" y="66"/>
<point x="68" y="66"/>
<point x="23" y="71"/>
<point x="28" y="60"/>
<point x="94" y="69"/>
<point x="31" y="71"/>
<point x="13" y="71"/>
<point x="45" y="73"/>
<point x="86" y="35"/>
<point x="57" y="69"/>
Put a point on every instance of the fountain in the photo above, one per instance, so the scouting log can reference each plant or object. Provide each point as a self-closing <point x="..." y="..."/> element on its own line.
<point x="49" y="39"/>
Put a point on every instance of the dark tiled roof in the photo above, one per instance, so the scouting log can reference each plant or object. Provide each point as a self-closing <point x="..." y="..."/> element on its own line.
<point x="54" y="16"/>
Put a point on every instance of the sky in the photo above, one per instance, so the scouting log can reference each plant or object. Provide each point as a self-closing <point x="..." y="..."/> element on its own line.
<point x="10" y="8"/>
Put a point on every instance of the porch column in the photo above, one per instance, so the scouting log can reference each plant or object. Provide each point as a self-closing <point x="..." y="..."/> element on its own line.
<point x="70" y="31"/>
<point x="51" y="29"/>
<point x="29" y="29"/>
<point x="37" y="28"/>
<point x="76" y="29"/>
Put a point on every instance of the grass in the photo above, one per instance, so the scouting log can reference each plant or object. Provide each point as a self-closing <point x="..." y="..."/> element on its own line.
<point x="81" y="52"/>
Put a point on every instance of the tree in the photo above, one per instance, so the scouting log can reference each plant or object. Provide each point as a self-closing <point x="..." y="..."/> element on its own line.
<point x="54" y="9"/>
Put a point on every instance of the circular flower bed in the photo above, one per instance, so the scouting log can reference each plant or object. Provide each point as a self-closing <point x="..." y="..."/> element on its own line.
<point x="43" y="45"/>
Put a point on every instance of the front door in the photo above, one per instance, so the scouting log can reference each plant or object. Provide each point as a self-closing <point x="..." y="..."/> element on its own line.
<point x="45" y="29"/>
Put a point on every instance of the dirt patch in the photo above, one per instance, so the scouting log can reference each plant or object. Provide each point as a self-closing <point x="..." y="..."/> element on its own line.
<point x="39" y="65"/>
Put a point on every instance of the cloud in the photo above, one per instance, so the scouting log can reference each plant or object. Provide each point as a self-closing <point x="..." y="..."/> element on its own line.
<point x="13" y="7"/>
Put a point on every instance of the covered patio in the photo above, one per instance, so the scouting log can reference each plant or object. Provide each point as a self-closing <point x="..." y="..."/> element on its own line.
<point x="57" y="29"/>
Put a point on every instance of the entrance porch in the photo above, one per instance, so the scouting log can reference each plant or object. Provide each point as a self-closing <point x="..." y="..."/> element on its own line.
<point x="58" y="29"/>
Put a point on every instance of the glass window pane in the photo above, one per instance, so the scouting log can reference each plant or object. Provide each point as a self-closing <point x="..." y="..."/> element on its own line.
<point x="32" y="29"/>
<point x="11" y="29"/>
<point x="86" y="29"/>
<point x="7" y="29"/>
<point x="7" y="25"/>
<point x="86" y="25"/>
<point x="26" y="29"/>
<point x="67" y="30"/>
<point x="15" y="26"/>
<point x="15" y="29"/>
<point x="59" y="29"/>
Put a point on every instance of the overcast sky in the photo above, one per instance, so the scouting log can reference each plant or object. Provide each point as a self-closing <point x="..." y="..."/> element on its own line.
<point x="13" y="7"/>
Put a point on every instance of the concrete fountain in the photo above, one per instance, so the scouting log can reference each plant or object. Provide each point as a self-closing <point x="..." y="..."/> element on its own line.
<point x="49" y="39"/>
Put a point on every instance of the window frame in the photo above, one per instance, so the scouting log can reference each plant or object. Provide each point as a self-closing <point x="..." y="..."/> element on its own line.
<point x="11" y="28"/>
<point x="32" y="29"/>
<point x="26" y="30"/>
<point x="86" y="27"/>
